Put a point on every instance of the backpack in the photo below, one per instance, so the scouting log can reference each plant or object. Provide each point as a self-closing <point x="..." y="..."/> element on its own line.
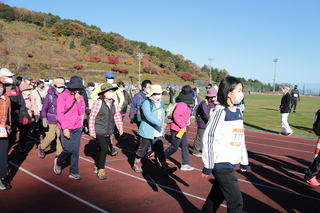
<point x="169" y="112"/>
<point x="316" y="124"/>
<point x="138" y="110"/>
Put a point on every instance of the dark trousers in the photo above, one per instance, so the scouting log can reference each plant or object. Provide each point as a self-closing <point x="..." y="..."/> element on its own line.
<point x="157" y="146"/>
<point x="197" y="144"/>
<point x="104" y="142"/>
<point x="23" y="129"/>
<point x="294" y="102"/>
<point x="175" y="146"/>
<point x="225" y="187"/>
<point x="4" y="142"/>
<point x="71" y="147"/>
<point x="313" y="169"/>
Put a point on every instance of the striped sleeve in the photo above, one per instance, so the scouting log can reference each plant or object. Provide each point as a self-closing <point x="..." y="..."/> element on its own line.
<point x="208" y="141"/>
<point x="94" y="111"/>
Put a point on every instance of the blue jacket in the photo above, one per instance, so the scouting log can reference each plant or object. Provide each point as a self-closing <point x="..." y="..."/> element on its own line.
<point x="150" y="121"/>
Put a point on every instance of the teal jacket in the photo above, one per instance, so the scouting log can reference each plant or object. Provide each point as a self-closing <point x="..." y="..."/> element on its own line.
<point x="149" y="119"/>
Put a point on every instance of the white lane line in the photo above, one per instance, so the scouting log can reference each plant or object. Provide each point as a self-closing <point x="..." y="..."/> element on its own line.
<point x="284" y="141"/>
<point x="59" y="189"/>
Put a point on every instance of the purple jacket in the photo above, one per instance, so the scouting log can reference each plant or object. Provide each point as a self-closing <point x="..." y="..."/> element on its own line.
<point x="204" y="114"/>
<point x="137" y="99"/>
<point x="49" y="107"/>
<point x="72" y="119"/>
<point x="181" y="116"/>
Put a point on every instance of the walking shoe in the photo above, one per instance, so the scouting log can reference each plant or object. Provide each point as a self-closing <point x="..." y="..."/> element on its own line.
<point x="168" y="170"/>
<point x="114" y="153"/>
<point x="102" y="174"/>
<point x="313" y="181"/>
<point x="56" y="168"/>
<point x="197" y="154"/>
<point x="95" y="169"/>
<point x="41" y="152"/>
<point x="23" y="150"/>
<point x="186" y="167"/>
<point x="150" y="154"/>
<point x="4" y="184"/>
<point x="290" y="133"/>
<point x="75" y="176"/>
<point x="137" y="167"/>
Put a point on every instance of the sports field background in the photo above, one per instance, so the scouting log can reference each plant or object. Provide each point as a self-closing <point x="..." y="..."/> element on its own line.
<point x="262" y="113"/>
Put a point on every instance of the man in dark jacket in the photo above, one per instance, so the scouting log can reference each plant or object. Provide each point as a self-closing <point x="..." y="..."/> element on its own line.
<point x="284" y="109"/>
<point x="295" y="97"/>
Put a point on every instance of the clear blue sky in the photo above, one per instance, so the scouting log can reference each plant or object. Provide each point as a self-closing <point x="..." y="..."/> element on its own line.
<point x="243" y="36"/>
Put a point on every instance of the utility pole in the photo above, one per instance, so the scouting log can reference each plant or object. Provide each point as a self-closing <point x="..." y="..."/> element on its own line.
<point x="274" y="79"/>
<point x="140" y="56"/>
<point x="210" y="59"/>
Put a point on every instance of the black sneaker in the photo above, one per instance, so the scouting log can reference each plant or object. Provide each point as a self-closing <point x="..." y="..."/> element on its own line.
<point x="168" y="170"/>
<point x="4" y="184"/>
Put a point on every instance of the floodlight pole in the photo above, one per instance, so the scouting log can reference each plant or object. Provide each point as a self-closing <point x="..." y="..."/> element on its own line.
<point x="140" y="55"/>
<point x="210" y="59"/>
<point x="274" y="79"/>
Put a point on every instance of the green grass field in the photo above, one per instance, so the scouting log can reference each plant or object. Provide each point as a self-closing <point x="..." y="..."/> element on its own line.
<point x="262" y="113"/>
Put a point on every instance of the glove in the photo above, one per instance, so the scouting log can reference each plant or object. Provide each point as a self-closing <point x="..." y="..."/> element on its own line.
<point x="25" y="121"/>
<point x="45" y="122"/>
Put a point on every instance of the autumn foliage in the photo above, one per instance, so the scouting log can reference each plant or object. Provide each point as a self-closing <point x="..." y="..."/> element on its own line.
<point x="121" y="70"/>
<point x="113" y="59"/>
<point x="187" y="76"/>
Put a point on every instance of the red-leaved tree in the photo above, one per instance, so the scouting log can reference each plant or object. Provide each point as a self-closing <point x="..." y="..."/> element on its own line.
<point x="187" y="76"/>
<point x="113" y="59"/>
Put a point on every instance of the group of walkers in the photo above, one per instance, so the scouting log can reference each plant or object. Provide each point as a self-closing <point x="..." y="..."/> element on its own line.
<point x="62" y="111"/>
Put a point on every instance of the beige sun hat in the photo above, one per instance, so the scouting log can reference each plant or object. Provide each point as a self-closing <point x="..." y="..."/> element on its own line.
<point x="155" y="88"/>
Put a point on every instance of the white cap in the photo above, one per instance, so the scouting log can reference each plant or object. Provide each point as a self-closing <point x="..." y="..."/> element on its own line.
<point x="5" y="72"/>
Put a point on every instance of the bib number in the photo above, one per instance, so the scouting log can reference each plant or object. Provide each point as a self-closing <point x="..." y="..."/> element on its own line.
<point x="3" y="131"/>
<point x="238" y="137"/>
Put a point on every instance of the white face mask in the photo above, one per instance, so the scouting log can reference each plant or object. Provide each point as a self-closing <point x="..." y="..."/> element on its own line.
<point x="110" y="81"/>
<point x="28" y="82"/>
<point x="8" y="81"/>
<point x="108" y="95"/>
<point x="238" y="99"/>
<point x="121" y="89"/>
<point x="60" y="90"/>
<point x="26" y="92"/>
<point x="157" y="97"/>
<point x="91" y="88"/>
<point x="148" y="91"/>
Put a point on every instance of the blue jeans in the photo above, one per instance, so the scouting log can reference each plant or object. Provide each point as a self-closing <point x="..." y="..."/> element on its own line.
<point x="175" y="146"/>
<point x="71" y="147"/>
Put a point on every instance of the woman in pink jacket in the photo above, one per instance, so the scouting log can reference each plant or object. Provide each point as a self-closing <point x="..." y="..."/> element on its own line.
<point x="32" y="110"/>
<point x="70" y="107"/>
<point x="181" y="120"/>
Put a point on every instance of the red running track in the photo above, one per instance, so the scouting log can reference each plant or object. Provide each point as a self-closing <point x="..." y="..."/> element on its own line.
<point x="274" y="182"/>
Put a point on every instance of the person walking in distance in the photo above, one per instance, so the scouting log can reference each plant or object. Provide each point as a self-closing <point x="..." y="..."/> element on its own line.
<point x="295" y="96"/>
<point x="284" y="109"/>
<point x="224" y="147"/>
<point x="70" y="108"/>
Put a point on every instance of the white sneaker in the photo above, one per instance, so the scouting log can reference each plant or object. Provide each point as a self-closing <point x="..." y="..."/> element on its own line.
<point x="186" y="167"/>
<point x="197" y="154"/>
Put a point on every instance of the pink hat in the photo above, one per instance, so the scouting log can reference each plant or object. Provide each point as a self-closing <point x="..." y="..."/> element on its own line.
<point x="24" y="86"/>
<point x="211" y="92"/>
